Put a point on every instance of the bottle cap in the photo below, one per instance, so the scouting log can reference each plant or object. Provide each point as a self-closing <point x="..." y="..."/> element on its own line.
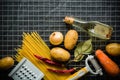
<point x="68" y="20"/>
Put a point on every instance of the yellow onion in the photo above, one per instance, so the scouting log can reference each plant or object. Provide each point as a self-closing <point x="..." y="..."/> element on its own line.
<point x="56" y="38"/>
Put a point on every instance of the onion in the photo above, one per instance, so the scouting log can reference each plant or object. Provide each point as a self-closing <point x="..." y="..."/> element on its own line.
<point x="56" y="38"/>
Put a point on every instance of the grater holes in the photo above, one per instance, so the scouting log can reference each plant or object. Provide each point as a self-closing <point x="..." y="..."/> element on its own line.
<point x="20" y="71"/>
<point x="27" y="70"/>
<point x="28" y="77"/>
<point x="16" y="73"/>
<point x="23" y="66"/>
<point x="21" y="78"/>
<point x="25" y="75"/>
<point x="29" y="73"/>
<point x="34" y="77"/>
<point x="31" y="78"/>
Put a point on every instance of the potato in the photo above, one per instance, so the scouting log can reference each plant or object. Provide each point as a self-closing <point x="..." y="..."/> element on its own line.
<point x="60" y="54"/>
<point x="71" y="38"/>
<point x="113" y="49"/>
<point x="56" y="38"/>
<point x="6" y="63"/>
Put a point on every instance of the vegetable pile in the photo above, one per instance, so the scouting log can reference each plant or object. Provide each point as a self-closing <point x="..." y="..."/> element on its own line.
<point x="84" y="48"/>
<point x="60" y="56"/>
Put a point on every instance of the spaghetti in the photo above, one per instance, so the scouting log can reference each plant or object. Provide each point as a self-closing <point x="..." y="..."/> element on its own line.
<point x="33" y="44"/>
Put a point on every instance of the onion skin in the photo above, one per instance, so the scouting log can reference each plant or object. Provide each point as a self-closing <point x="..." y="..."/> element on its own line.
<point x="56" y="38"/>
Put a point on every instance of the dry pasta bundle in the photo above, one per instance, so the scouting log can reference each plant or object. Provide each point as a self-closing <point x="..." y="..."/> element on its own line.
<point x="33" y="44"/>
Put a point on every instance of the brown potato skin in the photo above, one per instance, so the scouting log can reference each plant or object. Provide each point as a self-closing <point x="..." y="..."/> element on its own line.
<point x="113" y="49"/>
<point x="70" y="40"/>
<point x="6" y="63"/>
<point x="60" y="54"/>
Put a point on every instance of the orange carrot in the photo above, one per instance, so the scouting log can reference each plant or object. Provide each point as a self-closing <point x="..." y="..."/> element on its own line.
<point x="109" y="66"/>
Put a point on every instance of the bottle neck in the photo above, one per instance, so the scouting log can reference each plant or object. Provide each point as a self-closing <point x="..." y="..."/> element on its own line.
<point x="71" y="20"/>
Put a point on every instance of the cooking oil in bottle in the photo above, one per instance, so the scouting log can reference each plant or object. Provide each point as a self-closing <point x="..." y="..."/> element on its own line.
<point x="93" y="28"/>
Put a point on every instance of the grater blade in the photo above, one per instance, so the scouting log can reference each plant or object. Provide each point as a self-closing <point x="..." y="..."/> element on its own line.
<point x="25" y="70"/>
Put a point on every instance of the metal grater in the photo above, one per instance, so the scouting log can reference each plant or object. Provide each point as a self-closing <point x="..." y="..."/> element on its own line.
<point x="25" y="70"/>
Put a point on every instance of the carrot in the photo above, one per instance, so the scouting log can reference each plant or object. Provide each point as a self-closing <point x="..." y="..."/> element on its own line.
<point x="109" y="66"/>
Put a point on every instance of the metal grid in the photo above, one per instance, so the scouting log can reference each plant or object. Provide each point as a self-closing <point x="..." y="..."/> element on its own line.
<point x="45" y="16"/>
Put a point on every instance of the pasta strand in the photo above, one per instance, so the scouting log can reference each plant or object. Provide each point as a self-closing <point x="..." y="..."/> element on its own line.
<point x="33" y="44"/>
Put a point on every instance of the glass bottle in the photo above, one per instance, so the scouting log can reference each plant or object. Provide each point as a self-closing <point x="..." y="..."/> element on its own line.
<point x="93" y="28"/>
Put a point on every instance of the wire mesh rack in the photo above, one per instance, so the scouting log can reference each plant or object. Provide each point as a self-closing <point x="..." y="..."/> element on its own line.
<point x="46" y="16"/>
